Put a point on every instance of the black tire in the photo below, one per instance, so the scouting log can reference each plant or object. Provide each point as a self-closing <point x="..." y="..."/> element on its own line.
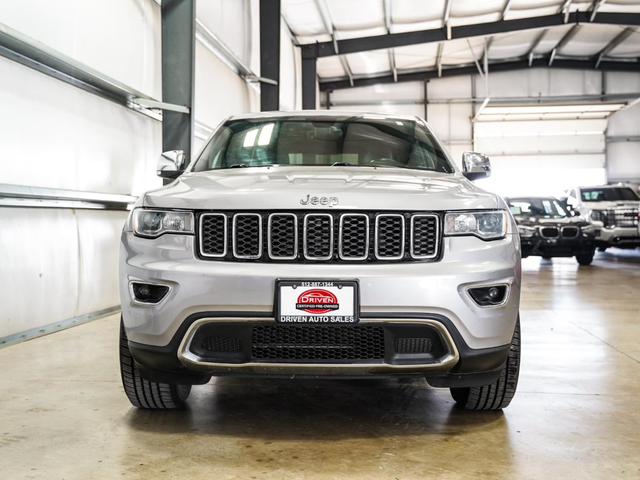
<point x="548" y="259"/>
<point x="143" y="393"/>
<point x="499" y="394"/>
<point x="585" y="259"/>
<point x="602" y="249"/>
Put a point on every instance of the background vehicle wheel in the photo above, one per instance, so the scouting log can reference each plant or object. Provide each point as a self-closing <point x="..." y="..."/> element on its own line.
<point x="499" y="394"/>
<point x="546" y="258"/>
<point x="585" y="259"/>
<point x="143" y="393"/>
<point x="602" y="249"/>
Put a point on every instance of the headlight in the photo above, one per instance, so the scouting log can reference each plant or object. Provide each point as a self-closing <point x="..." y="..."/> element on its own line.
<point x="526" y="231"/>
<point x="153" y="223"/>
<point x="597" y="215"/>
<point x="485" y="225"/>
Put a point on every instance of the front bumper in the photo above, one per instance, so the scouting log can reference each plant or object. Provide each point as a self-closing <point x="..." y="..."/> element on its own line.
<point x="448" y="361"/>
<point x="618" y="237"/>
<point x="397" y="289"/>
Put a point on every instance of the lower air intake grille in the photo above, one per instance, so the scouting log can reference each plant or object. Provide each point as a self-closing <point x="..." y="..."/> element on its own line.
<point x="296" y="343"/>
<point x="221" y="344"/>
<point x="413" y="345"/>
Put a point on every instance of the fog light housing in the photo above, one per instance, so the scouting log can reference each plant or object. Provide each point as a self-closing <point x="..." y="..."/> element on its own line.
<point x="148" y="293"/>
<point x="490" y="296"/>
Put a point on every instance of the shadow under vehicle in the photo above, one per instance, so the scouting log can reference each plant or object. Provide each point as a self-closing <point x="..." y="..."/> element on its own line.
<point x="548" y="230"/>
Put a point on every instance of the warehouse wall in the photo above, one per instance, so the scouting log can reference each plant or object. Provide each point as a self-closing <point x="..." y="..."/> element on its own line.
<point x="623" y="132"/>
<point x="582" y="157"/>
<point x="61" y="263"/>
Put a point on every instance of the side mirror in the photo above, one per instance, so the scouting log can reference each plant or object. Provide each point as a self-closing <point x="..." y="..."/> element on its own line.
<point x="171" y="164"/>
<point x="475" y="165"/>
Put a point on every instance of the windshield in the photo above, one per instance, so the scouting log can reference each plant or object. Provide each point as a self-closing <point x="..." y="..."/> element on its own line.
<point x="357" y="141"/>
<point x="537" y="207"/>
<point x="608" y="194"/>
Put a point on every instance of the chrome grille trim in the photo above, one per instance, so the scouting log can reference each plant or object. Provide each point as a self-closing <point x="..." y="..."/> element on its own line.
<point x="376" y="248"/>
<point x="295" y="237"/>
<point x="412" y="236"/>
<point x="306" y="231"/>
<point x="234" y="236"/>
<point x="200" y="233"/>
<point x="550" y="230"/>
<point x="341" y="236"/>
<point x="336" y="236"/>
<point x="570" y="229"/>
<point x="625" y="217"/>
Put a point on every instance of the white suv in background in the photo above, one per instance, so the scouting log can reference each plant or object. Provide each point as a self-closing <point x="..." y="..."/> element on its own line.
<point x="613" y="211"/>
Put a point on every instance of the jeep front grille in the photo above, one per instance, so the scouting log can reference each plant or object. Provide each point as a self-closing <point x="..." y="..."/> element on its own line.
<point x="319" y="237"/>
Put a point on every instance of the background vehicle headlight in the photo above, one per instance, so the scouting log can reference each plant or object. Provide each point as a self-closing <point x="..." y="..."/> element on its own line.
<point x="597" y="215"/>
<point x="153" y="223"/>
<point x="485" y="225"/>
<point x="526" y="231"/>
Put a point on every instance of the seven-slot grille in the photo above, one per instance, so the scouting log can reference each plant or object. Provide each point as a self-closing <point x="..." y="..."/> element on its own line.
<point x="319" y="237"/>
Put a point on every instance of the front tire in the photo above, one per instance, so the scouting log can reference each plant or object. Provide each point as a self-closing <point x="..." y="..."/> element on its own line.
<point x="585" y="259"/>
<point x="497" y="395"/>
<point x="143" y="393"/>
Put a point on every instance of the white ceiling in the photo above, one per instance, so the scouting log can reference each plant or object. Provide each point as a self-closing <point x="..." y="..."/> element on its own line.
<point x="363" y="18"/>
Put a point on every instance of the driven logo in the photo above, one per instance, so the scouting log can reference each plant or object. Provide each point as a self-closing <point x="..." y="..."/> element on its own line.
<point x="317" y="301"/>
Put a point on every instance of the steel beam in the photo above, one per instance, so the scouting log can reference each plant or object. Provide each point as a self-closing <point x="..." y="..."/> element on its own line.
<point x="363" y="44"/>
<point x="621" y="37"/>
<point x="594" y="8"/>
<point x="438" y="59"/>
<point x="563" y="41"/>
<point x="535" y="44"/>
<point x="471" y="69"/>
<point x="178" y="73"/>
<point x="270" y="55"/>
<point x="33" y="54"/>
<point x="447" y="13"/>
<point x="505" y="10"/>
<point x="387" y="24"/>
<point x="26" y="196"/>
<point x="548" y="100"/>
<point x="309" y="83"/>
<point x="565" y="6"/>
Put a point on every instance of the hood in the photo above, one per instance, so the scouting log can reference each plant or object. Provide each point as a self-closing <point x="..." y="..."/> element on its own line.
<point x="535" y="220"/>
<point x="285" y="187"/>
<point x="607" y="205"/>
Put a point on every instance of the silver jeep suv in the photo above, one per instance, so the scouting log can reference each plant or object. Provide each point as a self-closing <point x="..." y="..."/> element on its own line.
<point x="320" y="244"/>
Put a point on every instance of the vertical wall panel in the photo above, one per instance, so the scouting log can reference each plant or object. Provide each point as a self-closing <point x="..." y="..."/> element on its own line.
<point x="39" y="274"/>
<point x="120" y="38"/>
<point x="58" y="136"/>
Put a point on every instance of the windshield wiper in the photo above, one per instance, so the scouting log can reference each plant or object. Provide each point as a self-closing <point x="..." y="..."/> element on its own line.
<point x="238" y="165"/>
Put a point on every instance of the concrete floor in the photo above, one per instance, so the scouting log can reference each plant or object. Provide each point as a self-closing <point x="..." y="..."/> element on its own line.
<point x="63" y="413"/>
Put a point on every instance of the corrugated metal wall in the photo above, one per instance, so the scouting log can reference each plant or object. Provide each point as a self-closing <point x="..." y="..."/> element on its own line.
<point x="61" y="263"/>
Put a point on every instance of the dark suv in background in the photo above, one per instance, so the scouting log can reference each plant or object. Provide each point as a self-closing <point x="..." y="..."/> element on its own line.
<point x="548" y="230"/>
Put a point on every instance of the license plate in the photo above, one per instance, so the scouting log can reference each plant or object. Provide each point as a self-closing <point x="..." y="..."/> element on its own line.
<point x="317" y="302"/>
